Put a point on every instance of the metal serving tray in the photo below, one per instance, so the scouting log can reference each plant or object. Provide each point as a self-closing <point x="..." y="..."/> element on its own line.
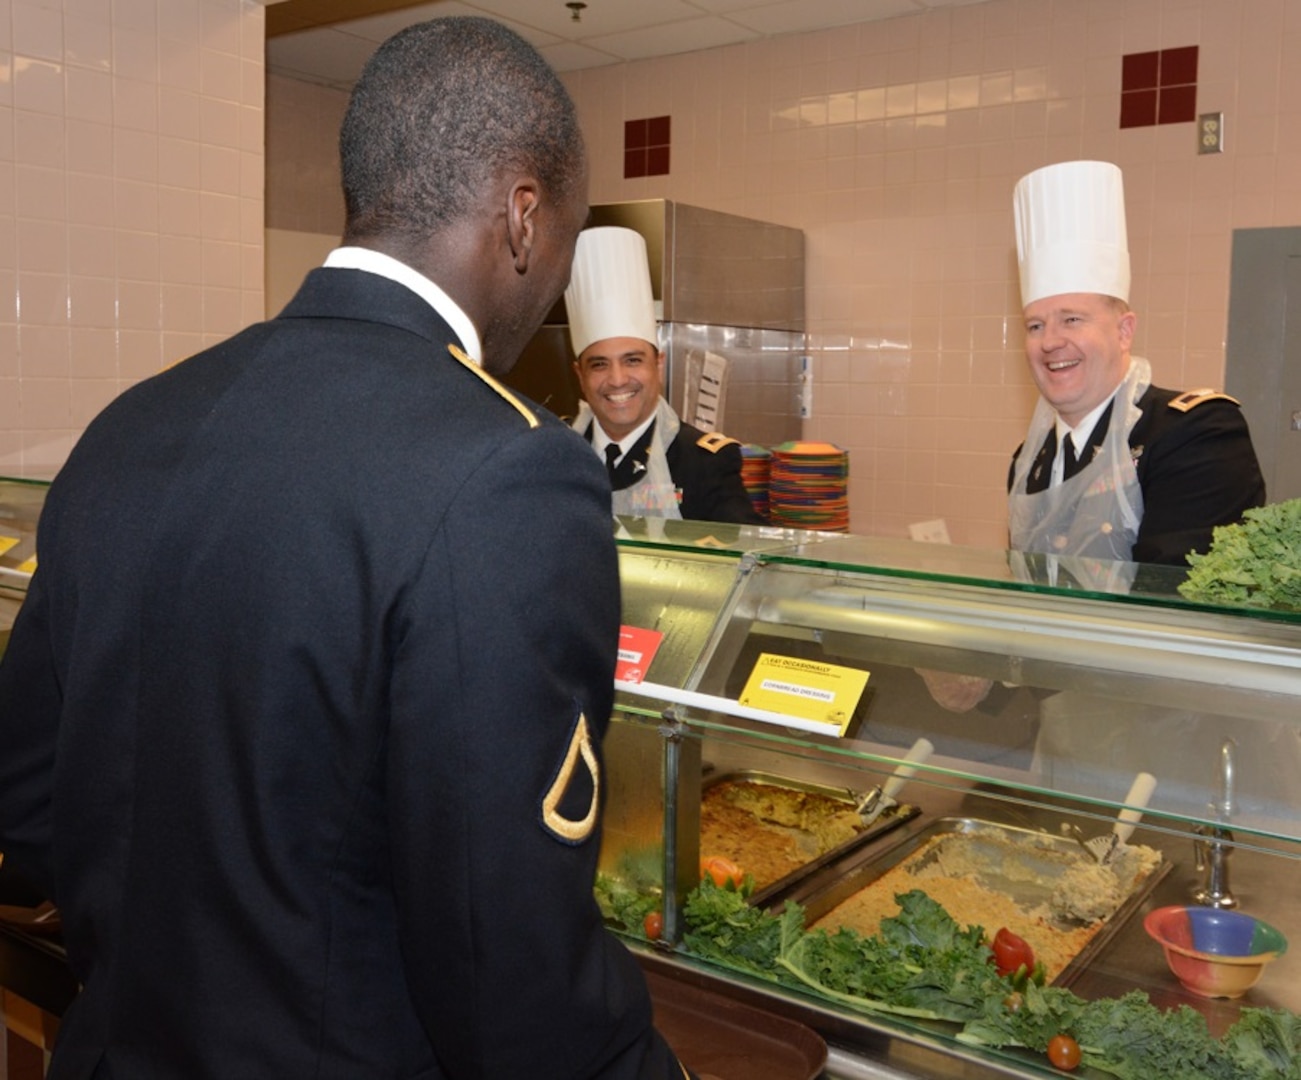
<point x="776" y="891"/>
<point x="822" y="896"/>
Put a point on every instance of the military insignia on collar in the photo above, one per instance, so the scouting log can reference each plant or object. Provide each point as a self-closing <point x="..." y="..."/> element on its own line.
<point x="1192" y="398"/>
<point x="1136" y="452"/>
<point x="639" y="466"/>
<point x="714" y="441"/>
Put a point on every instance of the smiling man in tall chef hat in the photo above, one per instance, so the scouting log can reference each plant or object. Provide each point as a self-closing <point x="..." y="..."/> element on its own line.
<point x="659" y="466"/>
<point x="1116" y="468"/>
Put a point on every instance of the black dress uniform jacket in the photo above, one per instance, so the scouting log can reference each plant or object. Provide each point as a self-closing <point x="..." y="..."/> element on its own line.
<point x="293" y="718"/>
<point x="1196" y="467"/>
<point x="706" y="469"/>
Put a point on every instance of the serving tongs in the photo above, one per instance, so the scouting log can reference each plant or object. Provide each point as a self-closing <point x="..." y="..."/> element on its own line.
<point x="882" y="797"/>
<point x="1104" y="848"/>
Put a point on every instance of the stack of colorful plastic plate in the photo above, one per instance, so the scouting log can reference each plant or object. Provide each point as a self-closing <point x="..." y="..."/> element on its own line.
<point x="756" y="467"/>
<point x="808" y="486"/>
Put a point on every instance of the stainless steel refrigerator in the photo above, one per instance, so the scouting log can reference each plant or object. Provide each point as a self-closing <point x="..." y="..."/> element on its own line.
<point x="731" y="296"/>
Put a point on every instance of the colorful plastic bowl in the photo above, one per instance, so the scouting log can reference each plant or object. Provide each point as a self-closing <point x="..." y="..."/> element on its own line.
<point x="1215" y="954"/>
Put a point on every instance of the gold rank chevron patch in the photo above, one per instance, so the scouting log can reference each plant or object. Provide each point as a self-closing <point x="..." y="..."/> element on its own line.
<point x="714" y="441"/>
<point x="501" y="391"/>
<point x="1190" y="399"/>
<point x="580" y="746"/>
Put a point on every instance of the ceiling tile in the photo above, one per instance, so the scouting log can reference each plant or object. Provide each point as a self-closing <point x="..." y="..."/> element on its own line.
<point x="723" y="7"/>
<point x="567" y="56"/>
<point x="322" y="56"/>
<point x="793" y="16"/>
<point x="378" y="28"/>
<point x="600" y="17"/>
<point x="607" y="31"/>
<point x="703" y="33"/>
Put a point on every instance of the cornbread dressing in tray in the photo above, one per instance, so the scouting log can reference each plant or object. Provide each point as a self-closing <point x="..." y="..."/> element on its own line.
<point x="780" y="831"/>
<point x="1042" y="887"/>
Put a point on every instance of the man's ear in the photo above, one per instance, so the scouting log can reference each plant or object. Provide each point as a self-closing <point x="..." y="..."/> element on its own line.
<point x="521" y="221"/>
<point x="1128" y="323"/>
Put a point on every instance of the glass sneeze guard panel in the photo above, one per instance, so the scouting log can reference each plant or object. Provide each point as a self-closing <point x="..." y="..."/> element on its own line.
<point x="1116" y="582"/>
<point x="1046" y="688"/>
<point x="675" y="593"/>
<point x="1055" y="695"/>
<point x="20" y="509"/>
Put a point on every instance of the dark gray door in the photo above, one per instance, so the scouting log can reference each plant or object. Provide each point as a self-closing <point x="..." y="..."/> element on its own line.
<point x="1263" y="350"/>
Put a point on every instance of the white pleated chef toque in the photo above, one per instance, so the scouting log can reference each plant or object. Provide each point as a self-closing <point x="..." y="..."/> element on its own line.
<point x="609" y="293"/>
<point x="1070" y="231"/>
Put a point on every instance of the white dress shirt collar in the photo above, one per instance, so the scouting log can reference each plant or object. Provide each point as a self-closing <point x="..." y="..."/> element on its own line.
<point x="600" y="440"/>
<point x="376" y="262"/>
<point x="1079" y="436"/>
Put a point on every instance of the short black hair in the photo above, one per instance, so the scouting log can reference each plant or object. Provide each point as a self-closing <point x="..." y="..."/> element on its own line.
<point x="442" y="109"/>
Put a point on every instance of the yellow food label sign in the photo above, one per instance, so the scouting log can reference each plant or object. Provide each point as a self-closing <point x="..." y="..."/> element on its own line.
<point x="6" y="542"/>
<point x="824" y="693"/>
<point x="27" y="566"/>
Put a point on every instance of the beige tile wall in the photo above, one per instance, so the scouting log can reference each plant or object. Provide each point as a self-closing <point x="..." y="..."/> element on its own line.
<point x="895" y="146"/>
<point x="131" y="201"/>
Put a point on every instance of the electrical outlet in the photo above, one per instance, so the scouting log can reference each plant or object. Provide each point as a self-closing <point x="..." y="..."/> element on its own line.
<point x="1210" y="133"/>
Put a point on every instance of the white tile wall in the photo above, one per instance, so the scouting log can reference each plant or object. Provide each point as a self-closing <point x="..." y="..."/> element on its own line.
<point x="128" y="136"/>
<point x="895" y="147"/>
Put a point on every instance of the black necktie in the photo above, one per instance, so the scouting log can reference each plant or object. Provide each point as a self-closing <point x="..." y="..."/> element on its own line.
<point x="1069" y="465"/>
<point x="611" y="456"/>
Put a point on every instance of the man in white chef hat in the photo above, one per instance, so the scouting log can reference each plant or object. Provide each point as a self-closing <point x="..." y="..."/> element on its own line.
<point x="659" y="465"/>
<point x="1112" y="467"/>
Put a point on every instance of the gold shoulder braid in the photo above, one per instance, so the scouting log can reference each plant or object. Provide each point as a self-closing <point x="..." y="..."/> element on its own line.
<point x="501" y="391"/>
<point x="1190" y="399"/>
<point x="580" y="744"/>
<point x="714" y="441"/>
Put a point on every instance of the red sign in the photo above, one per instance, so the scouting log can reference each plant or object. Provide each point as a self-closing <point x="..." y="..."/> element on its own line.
<point x="636" y="651"/>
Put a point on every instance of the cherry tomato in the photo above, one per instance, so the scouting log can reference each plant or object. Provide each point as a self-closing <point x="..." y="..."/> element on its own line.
<point x="653" y="925"/>
<point x="721" y="870"/>
<point x="1011" y="952"/>
<point x="1064" y="1052"/>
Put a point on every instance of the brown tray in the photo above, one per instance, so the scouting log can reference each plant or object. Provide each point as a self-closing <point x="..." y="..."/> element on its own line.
<point x="823" y="897"/>
<point x="776" y="891"/>
<point x="714" y="1035"/>
<point x="43" y="919"/>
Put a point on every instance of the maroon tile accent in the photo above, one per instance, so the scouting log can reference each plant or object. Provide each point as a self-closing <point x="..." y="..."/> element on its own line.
<point x="657" y="130"/>
<point x="1138" y="108"/>
<point x="1178" y="67"/>
<point x="1158" y="87"/>
<point x="646" y="146"/>
<point x="657" y="161"/>
<point x="1139" y="71"/>
<point x="1178" y="105"/>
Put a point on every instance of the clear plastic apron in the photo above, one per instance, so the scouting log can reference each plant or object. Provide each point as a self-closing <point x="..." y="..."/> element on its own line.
<point x="1095" y="513"/>
<point x="655" y="494"/>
